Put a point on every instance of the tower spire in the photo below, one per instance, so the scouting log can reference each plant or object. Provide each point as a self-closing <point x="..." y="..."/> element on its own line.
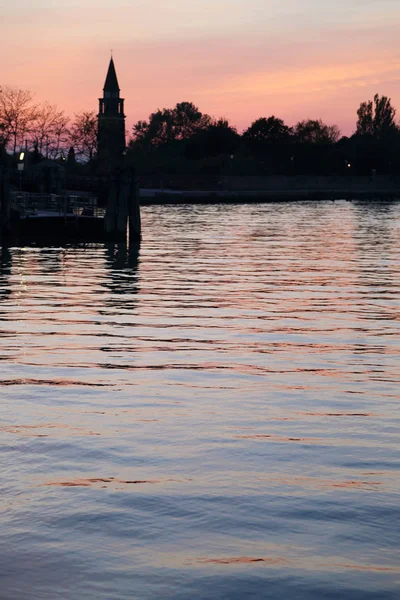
<point x="111" y="82"/>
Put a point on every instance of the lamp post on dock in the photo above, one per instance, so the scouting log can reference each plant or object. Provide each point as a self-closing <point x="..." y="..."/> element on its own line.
<point x="20" y="167"/>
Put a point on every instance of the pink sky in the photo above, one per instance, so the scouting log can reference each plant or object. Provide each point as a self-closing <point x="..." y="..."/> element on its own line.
<point x="241" y="59"/>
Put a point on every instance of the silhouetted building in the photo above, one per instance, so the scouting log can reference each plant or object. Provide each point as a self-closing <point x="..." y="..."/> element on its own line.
<point x="111" y="132"/>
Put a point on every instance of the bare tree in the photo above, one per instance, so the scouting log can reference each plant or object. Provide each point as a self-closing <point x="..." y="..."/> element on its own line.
<point x="4" y="127"/>
<point x="17" y="115"/>
<point x="3" y="136"/>
<point x="50" y="131"/>
<point x="83" y="134"/>
<point x="61" y="135"/>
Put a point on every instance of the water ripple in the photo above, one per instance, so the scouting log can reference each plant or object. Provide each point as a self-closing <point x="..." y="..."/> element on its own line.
<point x="212" y="415"/>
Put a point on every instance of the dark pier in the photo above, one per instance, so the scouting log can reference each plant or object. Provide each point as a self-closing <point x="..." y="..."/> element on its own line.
<point x="27" y="218"/>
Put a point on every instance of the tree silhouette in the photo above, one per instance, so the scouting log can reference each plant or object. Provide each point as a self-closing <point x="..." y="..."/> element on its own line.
<point x="17" y="115"/>
<point x="218" y="138"/>
<point x="316" y="132"/>
<point x="376" y="117"/>
<point x="4" y="137"/>
<point x="83" y="134"/>
<point x="49" y="131"/>
<point x="156" y="131"/>
<point x="267" y="130"/>
<point x="269" y="140"/>
<point x="187" y="119"/>
<point x="170" y="124"/>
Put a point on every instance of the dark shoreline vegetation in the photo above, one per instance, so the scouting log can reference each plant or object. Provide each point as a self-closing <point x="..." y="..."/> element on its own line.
<point x="184" y="141"/>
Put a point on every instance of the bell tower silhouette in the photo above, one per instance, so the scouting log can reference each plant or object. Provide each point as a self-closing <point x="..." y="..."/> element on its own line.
<point x="111" y="123"/>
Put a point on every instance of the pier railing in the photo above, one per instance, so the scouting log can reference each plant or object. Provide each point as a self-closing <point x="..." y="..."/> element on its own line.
<point x="30" y="205"/>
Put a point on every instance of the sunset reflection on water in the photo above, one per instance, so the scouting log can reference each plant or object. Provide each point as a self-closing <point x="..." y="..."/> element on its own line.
<point x="213" y="415"/>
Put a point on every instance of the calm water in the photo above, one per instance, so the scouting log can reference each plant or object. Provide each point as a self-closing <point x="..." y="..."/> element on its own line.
<point x="215" y="417"/>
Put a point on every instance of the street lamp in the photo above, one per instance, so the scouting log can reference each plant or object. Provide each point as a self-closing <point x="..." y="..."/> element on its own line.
<point x="20" y="167"/>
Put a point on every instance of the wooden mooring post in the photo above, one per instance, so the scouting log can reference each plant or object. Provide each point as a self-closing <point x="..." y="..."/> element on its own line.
<point x="135" y="224"/>
<point x="123" y="207"/>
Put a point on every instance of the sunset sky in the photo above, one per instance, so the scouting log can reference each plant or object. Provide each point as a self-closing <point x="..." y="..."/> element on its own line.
<point x="241" y="59"/>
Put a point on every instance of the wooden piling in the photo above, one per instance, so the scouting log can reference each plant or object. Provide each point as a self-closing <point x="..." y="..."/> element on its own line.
<point x="135" y="225"/>
<point x="116" y="217"/>
<point x="123" y="207"/>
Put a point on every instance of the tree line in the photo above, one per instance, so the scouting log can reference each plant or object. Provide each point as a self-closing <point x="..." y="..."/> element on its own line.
<point x="183" y="140"/>
<point x="43" y="128"/>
